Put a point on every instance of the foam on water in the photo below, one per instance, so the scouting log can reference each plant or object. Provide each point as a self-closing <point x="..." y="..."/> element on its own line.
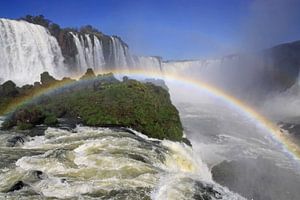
<point x="100" y="162"/>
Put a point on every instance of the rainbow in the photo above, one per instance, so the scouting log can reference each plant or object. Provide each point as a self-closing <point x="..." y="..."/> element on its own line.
<point x="286" y="142"/>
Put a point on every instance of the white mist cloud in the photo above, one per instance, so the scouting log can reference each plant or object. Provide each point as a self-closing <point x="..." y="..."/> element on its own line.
<point x="270" y="22"/>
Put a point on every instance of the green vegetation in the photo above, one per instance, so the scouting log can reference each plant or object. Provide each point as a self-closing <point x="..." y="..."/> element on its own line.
<point x="104" y="101"/>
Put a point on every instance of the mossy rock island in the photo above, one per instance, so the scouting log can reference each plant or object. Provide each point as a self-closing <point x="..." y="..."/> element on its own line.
<point x="101" y="101"/>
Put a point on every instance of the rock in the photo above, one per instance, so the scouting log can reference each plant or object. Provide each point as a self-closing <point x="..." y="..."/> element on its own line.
<point x="157" y="82"/>
<point x="46" y="79"/>
<point x="38" y="174"/>
<point x="8" y="89"/>
<point x="89" y="74"/>
<point x="187" y="141"/>
<point x="206" y="192"/>
<point x="15" y="141"/>
<point x="17" y="186"/>
<point x="29" y="115"/>
<point x="103" y="101"/>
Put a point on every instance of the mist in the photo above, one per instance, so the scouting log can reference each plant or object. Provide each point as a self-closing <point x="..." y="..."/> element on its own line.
<point x="268" y="23"/>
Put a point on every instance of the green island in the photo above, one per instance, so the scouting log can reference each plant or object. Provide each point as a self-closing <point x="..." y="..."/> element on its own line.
<point x="94" y="100"/>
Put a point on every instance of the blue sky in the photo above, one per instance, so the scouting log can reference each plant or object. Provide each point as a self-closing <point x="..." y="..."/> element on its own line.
<point x="177" y="29"/>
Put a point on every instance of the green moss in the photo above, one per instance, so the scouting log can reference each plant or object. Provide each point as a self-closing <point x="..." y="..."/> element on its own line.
<point x="50" y="120"/>
<point x="142" y="106"/>
<point x="24" y="126"/>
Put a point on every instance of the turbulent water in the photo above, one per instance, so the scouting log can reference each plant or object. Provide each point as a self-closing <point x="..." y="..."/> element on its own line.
<point x="89" y="163"/>
<point x="26" y="51"/>
<point x="241" y="155"/>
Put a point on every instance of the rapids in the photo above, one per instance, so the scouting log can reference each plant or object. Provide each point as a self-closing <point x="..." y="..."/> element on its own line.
<point x="239" y="153"/>
<point x="88" y="163"/>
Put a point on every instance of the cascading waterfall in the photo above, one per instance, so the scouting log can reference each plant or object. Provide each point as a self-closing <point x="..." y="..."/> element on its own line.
<point x="119" y="54"/>
<point x="233" y="74"/>
<point x="98" y="56"/>
<point x="89" y="55"/>
<point x="26" y="51"/>
<point x="148" y="63"/>
<point x="122" y="59"/>
<point x="208" y="70"/>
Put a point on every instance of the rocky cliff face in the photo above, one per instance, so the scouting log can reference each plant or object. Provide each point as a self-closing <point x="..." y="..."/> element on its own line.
<point x="79" y="45"/>
<point x="282" y="70"/>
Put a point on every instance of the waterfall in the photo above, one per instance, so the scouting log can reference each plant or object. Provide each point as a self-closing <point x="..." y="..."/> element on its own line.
<point x="244" y="76"/>
<point x="90" y="55"/>
<point x="148" y="63"/>
<point x="205" y="70"/>
<point x="122" y="59"/>
<point x="98" y="56"/>
<point x="26" y="51"/>
<point x="119" y="53"/>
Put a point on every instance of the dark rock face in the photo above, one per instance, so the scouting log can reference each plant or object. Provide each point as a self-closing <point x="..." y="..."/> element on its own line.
<point x="14" y="141"/>
<point x="283" y="67"/>
<point x="17" y="186"/>
<point x="88" y="75"/>
<point x="8" y="89"/>
<point x="292" y="128"/>
<point x="206" y="192"/>
<point x="46" y="79"/>
<point x="67" y="43"/>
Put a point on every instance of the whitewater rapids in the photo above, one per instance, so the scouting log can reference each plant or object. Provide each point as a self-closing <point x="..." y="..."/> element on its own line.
<point x="92" y="163"/>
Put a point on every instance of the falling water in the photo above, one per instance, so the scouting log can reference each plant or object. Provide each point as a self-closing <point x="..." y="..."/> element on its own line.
<point x="119" y="53"/>
<point x="26" y="51"/>
<point x="89" y="55"/>
<point x="148" y="63"/>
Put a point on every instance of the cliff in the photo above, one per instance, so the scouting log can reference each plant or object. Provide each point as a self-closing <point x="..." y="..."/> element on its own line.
<point x="66" y="39"/>
<point x="96" y="101"/>
<point x="282" y="70"/>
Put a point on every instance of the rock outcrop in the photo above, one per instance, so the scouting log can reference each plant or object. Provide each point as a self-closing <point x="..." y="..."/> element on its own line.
<point x="100" y="100"/>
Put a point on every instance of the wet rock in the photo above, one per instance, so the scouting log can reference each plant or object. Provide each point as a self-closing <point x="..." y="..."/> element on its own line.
<point x="17" y="186"/>
<point x="47" y="79"/>
<point x="15" y="141"/>
<point x="206" y="192"/>
<point x="138" y="158"/>
<point x="8" y="89"/>
<point x="292" y="128"/>
<point x="33" y="177"/>
<point x="38" y="174"/>
<point x="88" y="74"/>
<point x="187" y="141"/>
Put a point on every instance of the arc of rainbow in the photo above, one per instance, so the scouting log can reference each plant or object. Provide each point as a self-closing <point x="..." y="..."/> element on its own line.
<point x="287" y="143"/>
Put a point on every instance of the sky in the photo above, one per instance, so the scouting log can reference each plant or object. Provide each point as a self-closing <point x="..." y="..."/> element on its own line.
<point x="175" y="29"/>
